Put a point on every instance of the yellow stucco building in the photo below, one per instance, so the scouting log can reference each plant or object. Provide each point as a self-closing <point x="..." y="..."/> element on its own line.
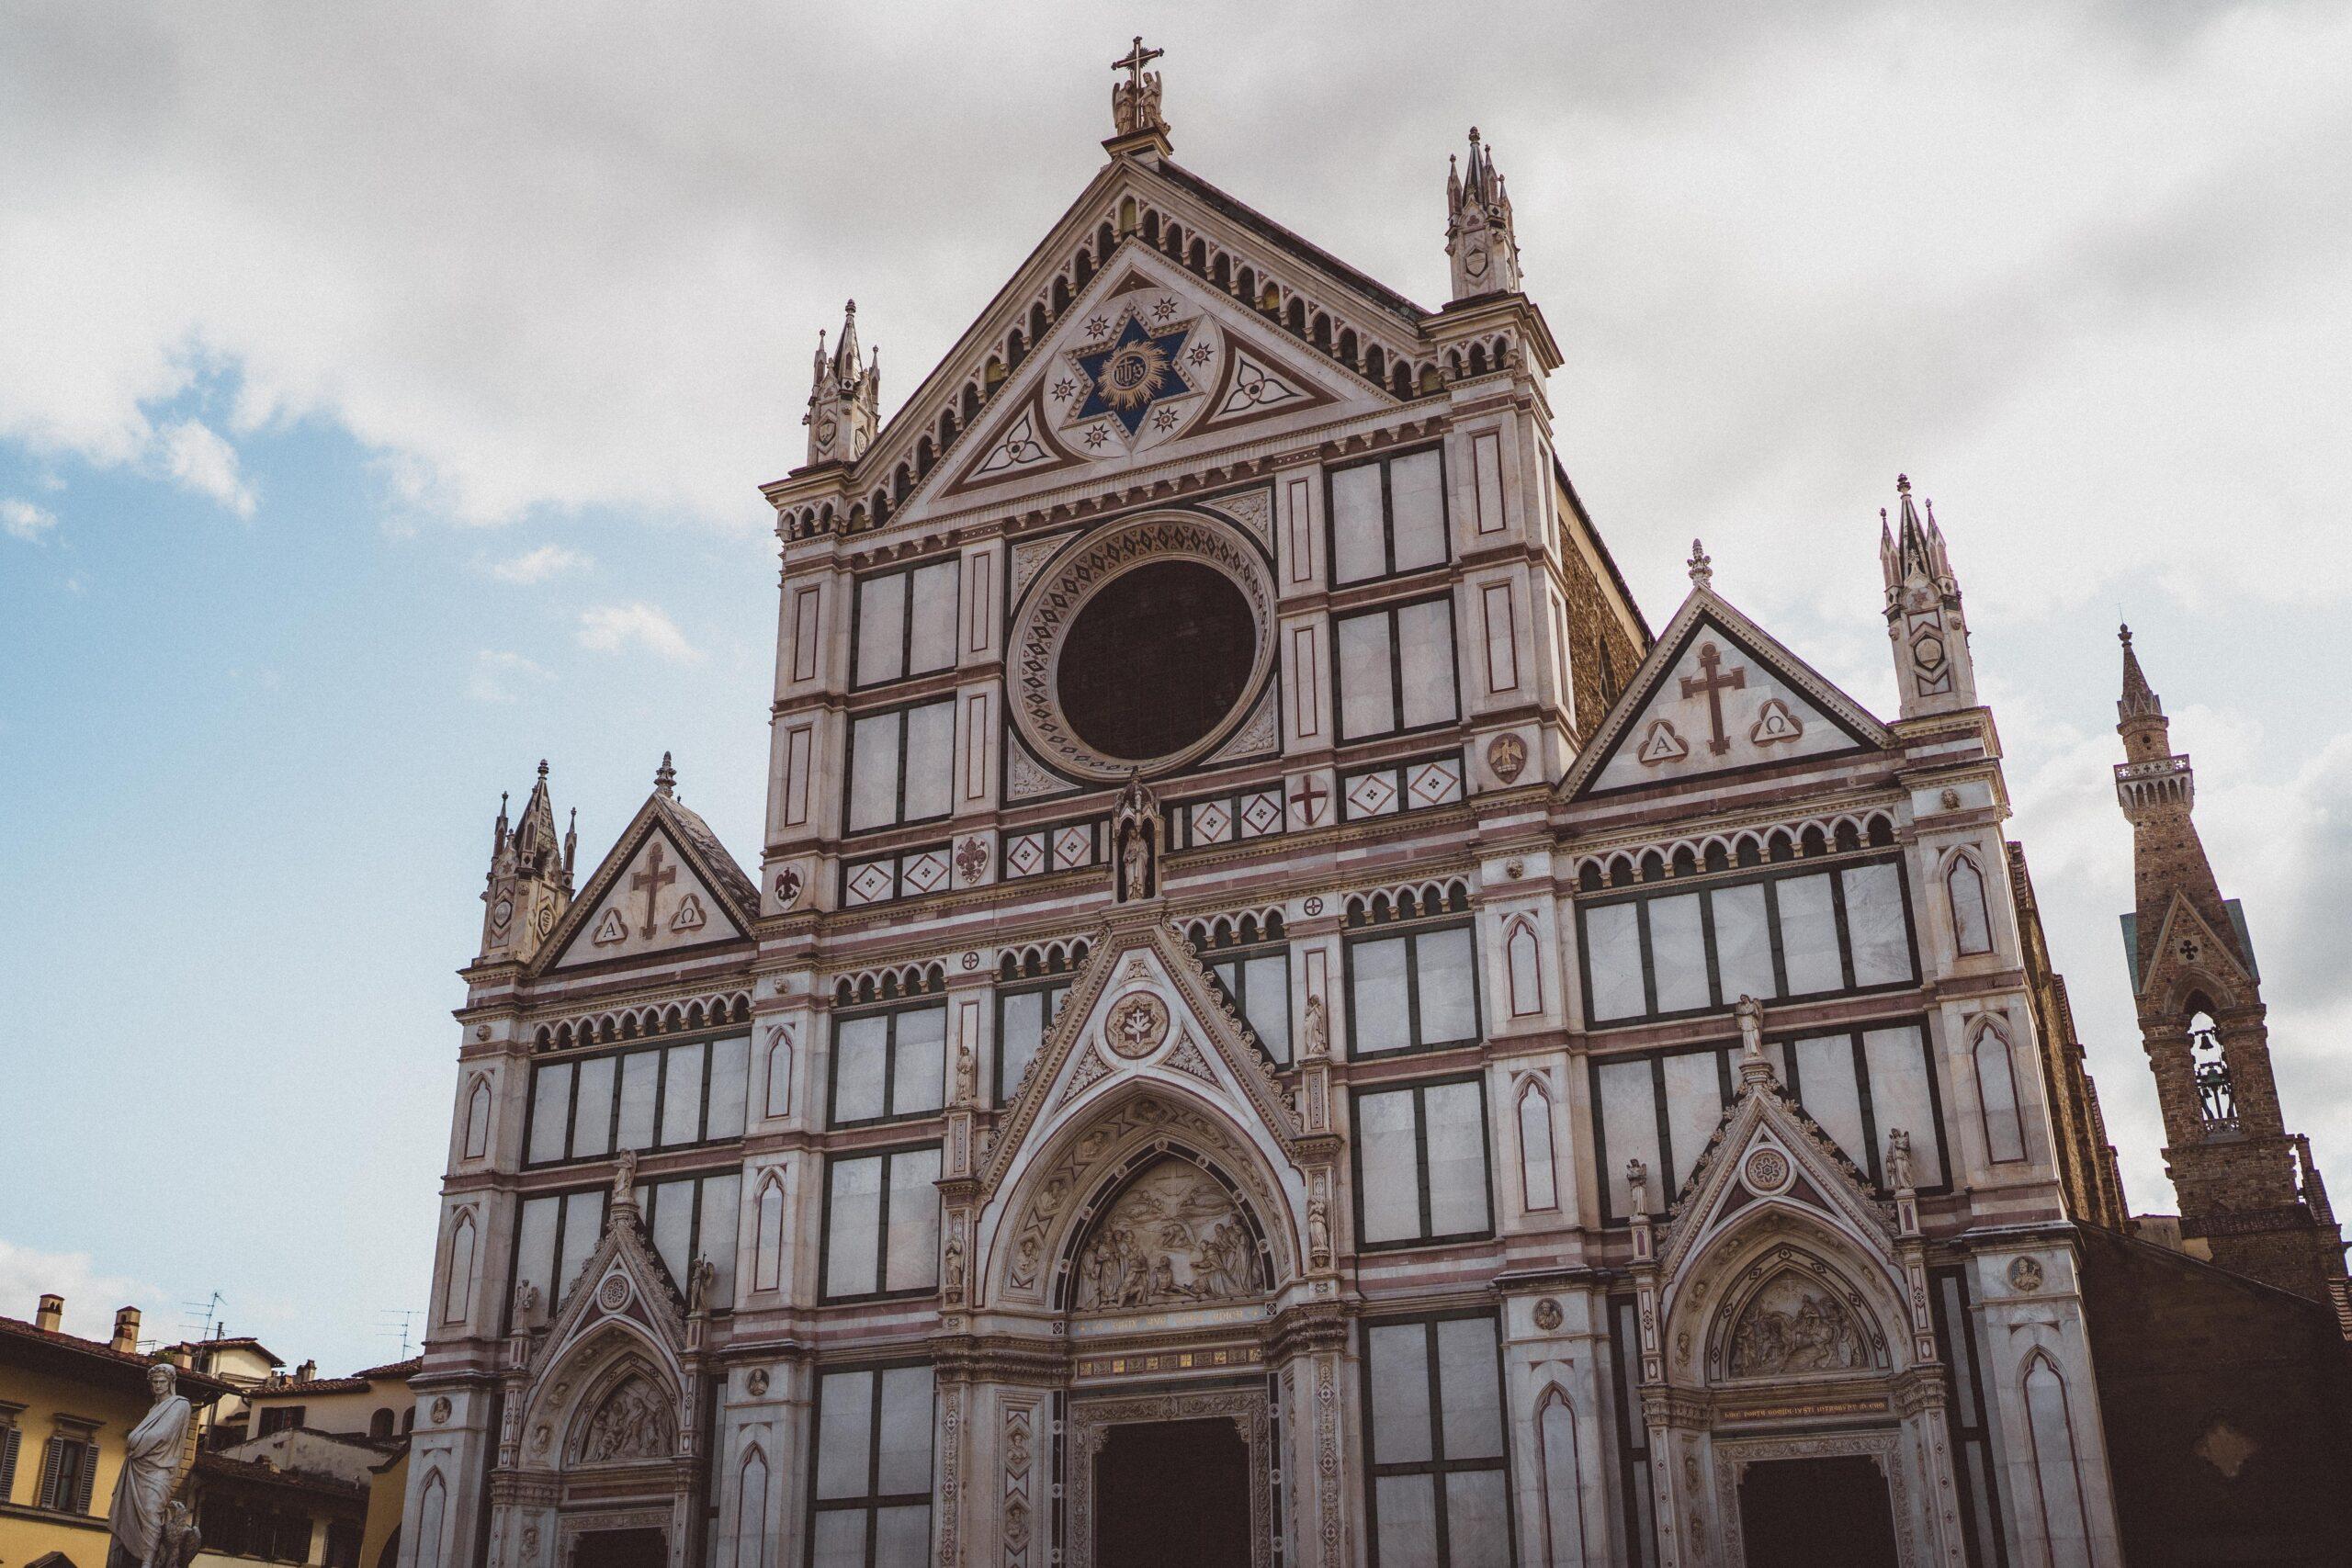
<point x="66" y="1404"/>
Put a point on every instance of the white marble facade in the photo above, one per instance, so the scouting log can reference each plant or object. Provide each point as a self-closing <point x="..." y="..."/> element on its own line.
<point x="999" y="1109"/>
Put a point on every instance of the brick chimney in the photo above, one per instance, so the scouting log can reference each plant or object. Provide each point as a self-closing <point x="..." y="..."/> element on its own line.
<point x="126" y="1331"/>
<point x="50" y="1319"/>
<point x="305" y="1372"/>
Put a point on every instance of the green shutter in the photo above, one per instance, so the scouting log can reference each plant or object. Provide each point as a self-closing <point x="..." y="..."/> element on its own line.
<point x="53" y="1454"/>
<point x="89" y="1476"/>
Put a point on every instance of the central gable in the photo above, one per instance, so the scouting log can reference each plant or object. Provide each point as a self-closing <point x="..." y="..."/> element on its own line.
<point x="1149" y="363"/>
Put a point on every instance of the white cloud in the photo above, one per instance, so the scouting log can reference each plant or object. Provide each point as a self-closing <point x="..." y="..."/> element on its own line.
<point x="91" y="1297"/>
<point x="25" y="521"/>
<point x="612" y="628"/>
<point x="499" y="676"/>
<point x="537" y="566"/>
<point x="199" y="459"/>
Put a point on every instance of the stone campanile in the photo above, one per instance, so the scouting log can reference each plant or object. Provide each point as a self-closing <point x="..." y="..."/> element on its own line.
<point x="2250" y="1195"/>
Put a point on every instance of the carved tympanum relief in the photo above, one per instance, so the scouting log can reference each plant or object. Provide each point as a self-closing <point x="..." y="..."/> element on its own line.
<point x="1794" y="1325"/>
<point x="633" y="1423"/>
<point x="1174" y="1236"/>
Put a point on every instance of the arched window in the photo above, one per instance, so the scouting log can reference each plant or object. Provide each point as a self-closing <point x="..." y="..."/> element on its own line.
<point x="477" y="1120"/>
<point x="1555" y="1439"/>
<point x="751" y="1509"/>
<point x="1519" y="952"/>
<point x="768" y="1257"/>
<point x="380" y="1425"/>
<point x="1972" y="920"/>
<point x="432" y="1508"/>
<point x="460" y="1287"/>
<point x="779" y="1094"/>
<point x="1997" y="1091"/>
<point x="2217" y="1100"/>
<point x="1539" y="1176"/>
<point x="2057" y="1472"/>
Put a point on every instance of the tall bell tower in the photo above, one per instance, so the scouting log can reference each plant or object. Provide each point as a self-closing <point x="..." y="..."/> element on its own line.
<point x="2250" y="1196"/>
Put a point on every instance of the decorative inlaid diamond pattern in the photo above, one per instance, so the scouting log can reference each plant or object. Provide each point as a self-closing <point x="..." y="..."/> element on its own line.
<point x="1261" y="814"/>
<point x="1437" y="783"/>
<point x="1026" y="855"/>
<point x="926" y="873"/>
<point x="1372" y="794"/>
<point x="1212" y="823"/>
<point x="870" y="883"/>
<point x="1073" y="846"/>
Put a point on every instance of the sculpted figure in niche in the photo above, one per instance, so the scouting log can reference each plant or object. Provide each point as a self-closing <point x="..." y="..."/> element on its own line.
<point x="631" y="1425"/>
<point x="1173" y="1238"/>
<point x="1791" y="1326"/>
<point x="151" y="1461"/>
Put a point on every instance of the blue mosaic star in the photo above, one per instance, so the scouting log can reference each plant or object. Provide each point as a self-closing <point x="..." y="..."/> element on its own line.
<point x="1132" y="372"/>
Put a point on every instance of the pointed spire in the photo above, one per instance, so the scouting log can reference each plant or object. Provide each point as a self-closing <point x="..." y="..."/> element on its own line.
<point x="844" y="400"/>
<point x="846" y="351"/>
<point x="1923" y="610"/>
<point x="570" y="844"/>
<point x="2139" y="699"/>
<point x="666" y="777"/>
<point x="1701" y="565"/>
<point x="1479" y="238"/>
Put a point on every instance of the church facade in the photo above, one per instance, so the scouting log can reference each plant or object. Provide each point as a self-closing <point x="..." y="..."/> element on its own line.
<point x="1276" y="1018"/>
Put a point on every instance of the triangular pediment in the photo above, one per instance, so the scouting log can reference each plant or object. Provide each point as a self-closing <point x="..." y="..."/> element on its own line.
<point x="2187" y="951"/>
<point x="1149" y="363"/>
<point x="1767" y="1154"/>
<point x="623" y="1283"/>
<point x="1142" y="1008"/>
<point x="1719" y="696"/>
<point x="1154" y="218"/>
<point x="667" y="885"/>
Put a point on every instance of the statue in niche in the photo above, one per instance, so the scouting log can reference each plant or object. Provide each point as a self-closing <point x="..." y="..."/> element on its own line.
<point x="1173" y="1238"/>
<point x="1319" y="1030"/>
<point x="1318" y="1232"/>
<point x="631" y="1425"/>
<point x="1136" y="836"/>
<point x="1791" y="1326"/>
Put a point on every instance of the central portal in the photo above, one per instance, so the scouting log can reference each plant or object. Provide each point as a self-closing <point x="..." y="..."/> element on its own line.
<point x="1173" y="1494"/>
<point x="1816" y="1513"/>
<point x="622" y="1549"/>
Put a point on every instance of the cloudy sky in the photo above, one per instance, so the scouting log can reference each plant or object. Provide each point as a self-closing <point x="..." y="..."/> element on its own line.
<point x="383" y="393"/>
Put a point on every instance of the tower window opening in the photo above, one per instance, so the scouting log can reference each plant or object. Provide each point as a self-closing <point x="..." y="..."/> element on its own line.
<point x="2217" y="1104"/>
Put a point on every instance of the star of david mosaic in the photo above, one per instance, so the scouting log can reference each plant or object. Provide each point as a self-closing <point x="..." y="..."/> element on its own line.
<point x="1131" y="371"/>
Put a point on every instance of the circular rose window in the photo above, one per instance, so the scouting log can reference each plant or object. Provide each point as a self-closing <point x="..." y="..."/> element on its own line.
<point x="1140" y="650"/>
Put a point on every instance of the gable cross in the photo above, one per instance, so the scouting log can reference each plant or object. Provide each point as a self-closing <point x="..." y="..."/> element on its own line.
<point x="1711" y="685"/>
<point x="650" y="880"/>
<point x="1137" y="58"/>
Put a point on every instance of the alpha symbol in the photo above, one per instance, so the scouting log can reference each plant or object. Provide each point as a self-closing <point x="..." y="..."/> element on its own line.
<point x="1660" y="745"/>
<point x="650" y="880"/>
<point x="1712" y="684"/>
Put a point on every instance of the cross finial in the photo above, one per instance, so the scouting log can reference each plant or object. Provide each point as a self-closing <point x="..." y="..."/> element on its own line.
<point x="666" y="777"/>
<point x="1135" y="103"/>
<point x="1702" y="568"/>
